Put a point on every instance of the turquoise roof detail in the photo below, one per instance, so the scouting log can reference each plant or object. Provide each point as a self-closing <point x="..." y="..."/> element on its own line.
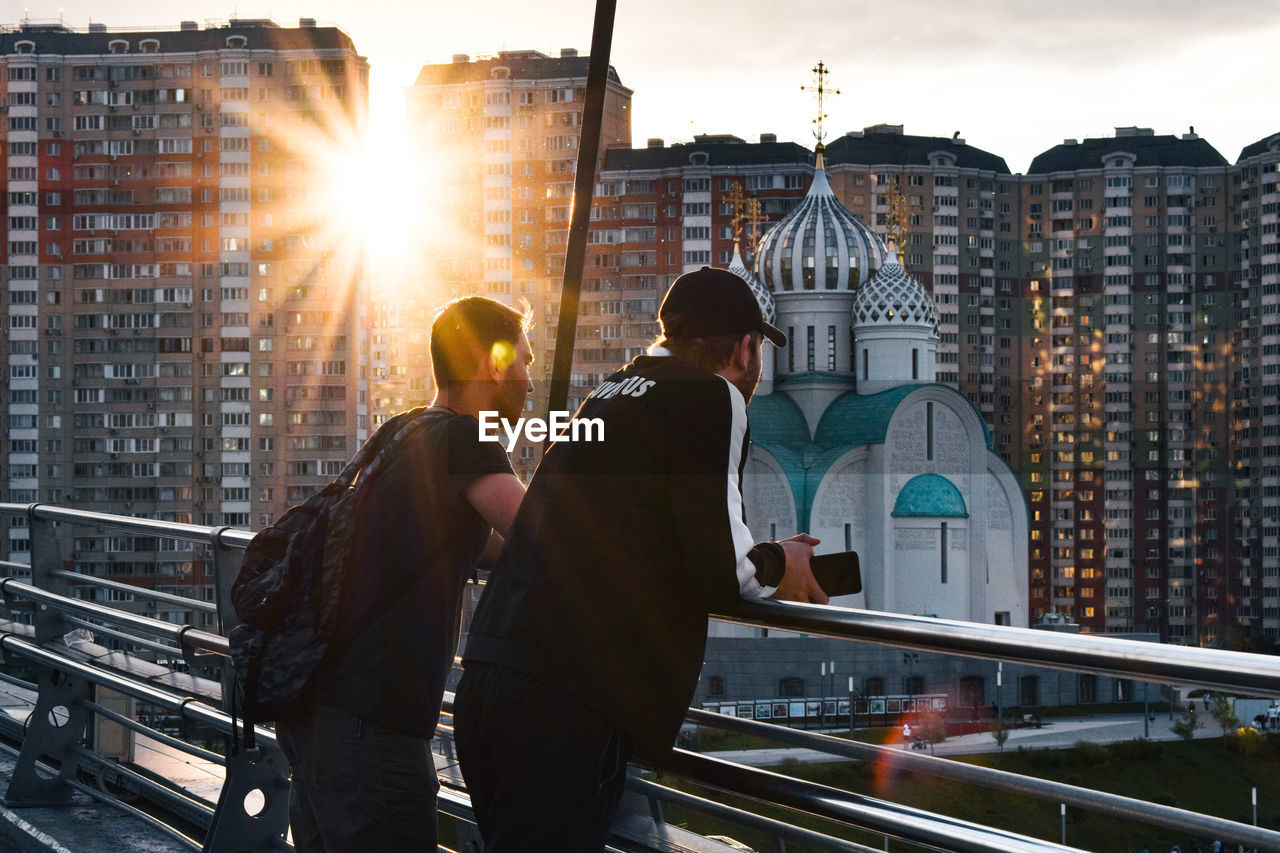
<point x="853" y="419"/>
<point x="776" y="419"/>
<point x="930" y="495"/>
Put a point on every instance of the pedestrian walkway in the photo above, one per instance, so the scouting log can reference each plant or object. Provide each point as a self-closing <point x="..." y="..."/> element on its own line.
<point x="1054" y="733"/>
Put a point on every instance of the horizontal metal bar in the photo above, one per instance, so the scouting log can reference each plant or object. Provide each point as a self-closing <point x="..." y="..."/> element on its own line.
<point x="750" y="820"/>
<point x="121" y="635"/>
<point x="958" y="771"/>
<point x="184" y="705"/>
<point x="181" y="634"/>
<point x="226" y="536"/>
<point x="895" y="820"/>
<point x="137" y="591"/>
<point x="154" y="734"/>
<point x="18" y="682"/>
<point x="167" y="797"/>
<point x="1252" y="674"/>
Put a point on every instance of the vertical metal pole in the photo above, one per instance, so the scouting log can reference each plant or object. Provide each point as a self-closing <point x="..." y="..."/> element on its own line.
<point x="1146" y="714"/>
<point x="59" y="721"/>
<point x="583" y="188"/>
<point x="1064" y="824"/>
<point x="1255" y="805"/>
<point x="851" y="707"/>
<point x="822" y="703"/>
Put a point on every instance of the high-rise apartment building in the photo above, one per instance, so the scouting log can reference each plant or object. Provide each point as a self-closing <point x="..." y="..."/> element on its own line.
<point x="182" y="339"/>
<point x="500" y="138"/>
<point x="1122" y="427"/>
<point x="1253" y="379"/>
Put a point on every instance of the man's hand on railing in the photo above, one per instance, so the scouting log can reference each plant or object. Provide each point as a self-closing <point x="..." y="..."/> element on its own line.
<point x="798" y="582"/>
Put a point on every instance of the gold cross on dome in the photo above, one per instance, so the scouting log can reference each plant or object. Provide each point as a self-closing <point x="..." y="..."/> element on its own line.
<point x="754" y="217"/>
<point x="820" y="90"/>
<point x="897" y="218"/>
<point x="737" y="201"/>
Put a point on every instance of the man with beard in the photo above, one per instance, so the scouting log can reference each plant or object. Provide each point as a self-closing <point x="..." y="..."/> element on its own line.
<point x="363" y="774"/>
<point x="588" y="642"/>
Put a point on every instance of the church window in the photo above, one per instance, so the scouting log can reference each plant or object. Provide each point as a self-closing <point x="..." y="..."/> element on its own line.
<point x="928" y="428"/>
<point x="791" y="350"/>
<point x="944" y="552"/>
<point x="915" y="363"/>
<point x="812" y="345"/>
<point x="831" y="348"/>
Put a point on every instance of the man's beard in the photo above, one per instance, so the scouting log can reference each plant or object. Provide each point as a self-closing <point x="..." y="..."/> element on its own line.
<point x="747" y="384"/>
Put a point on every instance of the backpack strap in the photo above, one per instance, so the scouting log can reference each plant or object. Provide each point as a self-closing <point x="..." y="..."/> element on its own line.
<point x="371" y="448"/>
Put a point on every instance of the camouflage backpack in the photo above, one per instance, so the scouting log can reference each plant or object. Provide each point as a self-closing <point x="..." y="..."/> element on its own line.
<point x="289" y="588"/>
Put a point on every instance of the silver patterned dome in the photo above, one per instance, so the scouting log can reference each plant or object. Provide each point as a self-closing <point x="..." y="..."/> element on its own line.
<point x="762" y="294"/>
<point x="892" y="297"/>
<point x="818" y="246"/>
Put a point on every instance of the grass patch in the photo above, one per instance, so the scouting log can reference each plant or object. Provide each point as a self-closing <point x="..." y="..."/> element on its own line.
<point x="1203" y="776"/>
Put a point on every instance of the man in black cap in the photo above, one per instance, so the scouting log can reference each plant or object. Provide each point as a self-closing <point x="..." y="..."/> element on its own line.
<point x="588" y="641"/>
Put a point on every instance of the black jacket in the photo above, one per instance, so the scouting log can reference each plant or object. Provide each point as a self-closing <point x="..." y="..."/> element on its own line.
<point x="622" y="547"/>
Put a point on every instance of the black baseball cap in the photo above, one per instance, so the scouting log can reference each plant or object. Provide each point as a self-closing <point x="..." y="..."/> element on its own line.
<point x="711" y="301"/>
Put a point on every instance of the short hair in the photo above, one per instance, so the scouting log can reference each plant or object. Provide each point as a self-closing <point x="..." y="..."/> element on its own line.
<point x="711" y="353"/>
<point x="464" y="332"/>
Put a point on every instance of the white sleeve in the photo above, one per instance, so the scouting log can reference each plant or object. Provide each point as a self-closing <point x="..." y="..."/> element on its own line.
<point x="742" y="539"/>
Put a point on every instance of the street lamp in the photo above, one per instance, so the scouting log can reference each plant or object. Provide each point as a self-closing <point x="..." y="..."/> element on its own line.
<point x="911" y="659"/>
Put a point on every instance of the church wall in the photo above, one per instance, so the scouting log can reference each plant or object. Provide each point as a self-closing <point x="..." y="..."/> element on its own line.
<point x="884" y="360"/>
<point x="1006" y="544"/>
<point x="766" y="494"/>
<point x="918" y="568"/>
<point x="797" y="313"/>
<point x="841" y="518"/>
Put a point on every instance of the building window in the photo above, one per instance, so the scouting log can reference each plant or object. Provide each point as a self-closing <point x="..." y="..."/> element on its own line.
<point x="873" y="686"/>
<point x="715" y="686"/>
<point x="913" y="685"/>
<point x="1087" y="691"/>
<point x="928" y="426"/>
<point x="973" y="691"/>
<point x="791" y="686"/>
<point x="1123" y="690"/>
<point x="943" y="566"/>
<point x="1029" y="691"/>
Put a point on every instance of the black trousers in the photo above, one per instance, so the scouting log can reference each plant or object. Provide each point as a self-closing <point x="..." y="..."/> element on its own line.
<point x="544" y="771"/>
<point x="358" y="786"/>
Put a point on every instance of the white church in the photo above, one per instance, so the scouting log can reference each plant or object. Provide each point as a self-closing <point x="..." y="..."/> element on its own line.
<point x="855" y="442"/>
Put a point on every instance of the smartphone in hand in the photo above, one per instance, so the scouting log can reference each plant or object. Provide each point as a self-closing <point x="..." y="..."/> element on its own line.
<point x="837" y="574"/>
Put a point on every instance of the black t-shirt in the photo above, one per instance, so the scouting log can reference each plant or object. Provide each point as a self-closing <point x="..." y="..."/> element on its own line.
<point x="417" y="544"/>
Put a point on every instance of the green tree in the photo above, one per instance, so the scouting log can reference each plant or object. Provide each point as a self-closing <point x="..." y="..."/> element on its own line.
<point x="933" y="728"/>
<point x="1223" y="714"/>
<point x="999" y="731"/>
<point x="1187" y="723"/>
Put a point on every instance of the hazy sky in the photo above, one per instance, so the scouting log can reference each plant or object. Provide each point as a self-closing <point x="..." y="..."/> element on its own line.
<point x="1013" y="76"/>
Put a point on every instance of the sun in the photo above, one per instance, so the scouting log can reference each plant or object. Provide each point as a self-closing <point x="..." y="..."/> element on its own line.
<point x="374" y="191"/>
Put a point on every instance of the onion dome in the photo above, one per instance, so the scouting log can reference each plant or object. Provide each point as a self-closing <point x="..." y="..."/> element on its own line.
<point x="818" y="246"/>
<point x="762" y="294"/>
<point x="892" y="297"/>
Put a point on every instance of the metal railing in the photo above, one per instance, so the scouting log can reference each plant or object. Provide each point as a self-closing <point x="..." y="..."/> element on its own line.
<point x="52" y="757"/>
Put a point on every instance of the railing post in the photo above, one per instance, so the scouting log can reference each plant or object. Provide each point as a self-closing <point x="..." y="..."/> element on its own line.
<point x="58" y="722"/>
<point x="253" y="806"/>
